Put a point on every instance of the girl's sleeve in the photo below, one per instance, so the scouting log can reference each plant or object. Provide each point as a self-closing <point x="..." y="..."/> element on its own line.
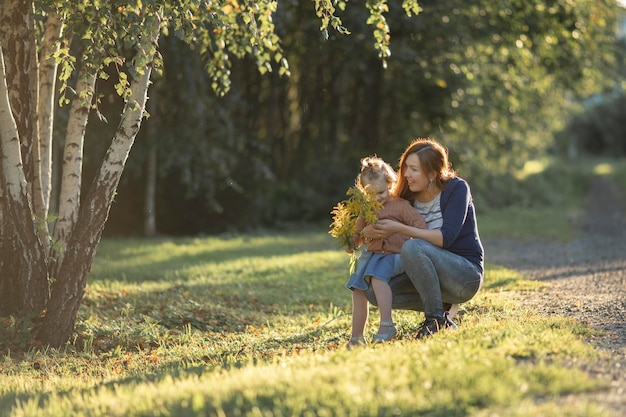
<point x="360" y="225"/>
<point x="455" y="211"/>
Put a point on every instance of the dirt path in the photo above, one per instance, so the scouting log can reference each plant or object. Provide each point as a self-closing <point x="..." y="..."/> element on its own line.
<point x="587" y="281"/>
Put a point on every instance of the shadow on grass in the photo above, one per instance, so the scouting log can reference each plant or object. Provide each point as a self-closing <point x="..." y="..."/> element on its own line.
<point x="137" y="260"/>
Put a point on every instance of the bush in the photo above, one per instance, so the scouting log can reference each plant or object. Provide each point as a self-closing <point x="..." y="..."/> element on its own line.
<point x="597" y="131"/>
<point x="554" y="182"/>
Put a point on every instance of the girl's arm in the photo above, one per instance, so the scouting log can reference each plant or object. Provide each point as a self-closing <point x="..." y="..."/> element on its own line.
<point x="357" y="237"/>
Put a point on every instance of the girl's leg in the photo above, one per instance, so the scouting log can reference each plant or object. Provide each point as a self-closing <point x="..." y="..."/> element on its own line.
<point x="383" y="299"/>
<point x="387" y="328"/>
<point x="360" y="311"/>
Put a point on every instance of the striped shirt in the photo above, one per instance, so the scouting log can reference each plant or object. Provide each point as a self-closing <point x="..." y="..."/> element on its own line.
<point x="431" y="212"/>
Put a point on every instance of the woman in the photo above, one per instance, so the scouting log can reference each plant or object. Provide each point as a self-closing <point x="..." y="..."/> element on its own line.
<point x="445" y="262"/>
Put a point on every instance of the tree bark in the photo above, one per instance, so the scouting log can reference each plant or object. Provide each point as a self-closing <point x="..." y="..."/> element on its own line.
<point x="69" y="286"/>
<point x="71" y="180"/>
<point x="23" y="270"/>
<point x="17" y="32"/>
<point x="149" y="225"/>
<point x="47" y="88"/>
<point x="149" y="208"/>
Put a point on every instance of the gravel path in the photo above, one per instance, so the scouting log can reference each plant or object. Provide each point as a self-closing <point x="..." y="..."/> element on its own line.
<point x="586" y="280"/>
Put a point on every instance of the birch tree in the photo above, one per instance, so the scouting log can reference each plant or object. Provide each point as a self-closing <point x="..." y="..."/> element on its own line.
<point x="46" y="256"/>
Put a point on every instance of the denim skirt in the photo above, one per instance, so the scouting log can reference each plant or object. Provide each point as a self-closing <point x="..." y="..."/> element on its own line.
<point x="379" y="265"/>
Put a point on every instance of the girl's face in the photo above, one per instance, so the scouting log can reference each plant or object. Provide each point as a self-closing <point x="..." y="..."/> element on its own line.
<point x="380" y="189"/>
<point x="416" y="178"/>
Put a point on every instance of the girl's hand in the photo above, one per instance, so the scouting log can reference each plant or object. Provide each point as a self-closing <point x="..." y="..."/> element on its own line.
<point x="348" y="249"/>
<point x="369" y="233"/>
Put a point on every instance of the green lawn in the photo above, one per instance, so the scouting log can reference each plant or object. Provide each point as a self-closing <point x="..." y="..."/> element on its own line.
<point x="256" y="326"/>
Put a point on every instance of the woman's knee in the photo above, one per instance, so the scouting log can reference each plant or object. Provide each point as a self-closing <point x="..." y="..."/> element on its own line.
<point x="413" y="248"/>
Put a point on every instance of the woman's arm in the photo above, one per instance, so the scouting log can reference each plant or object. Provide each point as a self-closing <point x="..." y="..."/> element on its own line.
<point x="386" y="228"/>
<point x="454" y="209"/>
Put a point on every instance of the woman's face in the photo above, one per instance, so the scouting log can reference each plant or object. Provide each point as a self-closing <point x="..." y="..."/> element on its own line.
<point x="380" y="190"/>
<point x="416" y="178"/>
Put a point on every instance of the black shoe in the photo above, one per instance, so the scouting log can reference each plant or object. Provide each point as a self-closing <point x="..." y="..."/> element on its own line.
<point x="432" y="325"/>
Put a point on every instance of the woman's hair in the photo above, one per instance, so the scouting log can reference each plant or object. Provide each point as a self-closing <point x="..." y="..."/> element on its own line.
<point x="433" y="157"/>
<point x="375" y="169"/>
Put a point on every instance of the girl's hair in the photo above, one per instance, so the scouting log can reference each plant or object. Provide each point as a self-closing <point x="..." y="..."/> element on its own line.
<point x="433" y="157"/>
<point x="375" y="169"/>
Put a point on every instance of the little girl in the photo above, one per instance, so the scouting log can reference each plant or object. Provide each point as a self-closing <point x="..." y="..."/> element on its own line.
<point x="381" y="260"/>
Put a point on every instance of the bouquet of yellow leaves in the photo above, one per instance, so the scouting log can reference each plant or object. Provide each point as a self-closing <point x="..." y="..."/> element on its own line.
<point x="359" y="203"/>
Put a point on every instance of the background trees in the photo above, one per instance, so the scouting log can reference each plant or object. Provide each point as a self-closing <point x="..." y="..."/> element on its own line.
<point x="493" y="80"/>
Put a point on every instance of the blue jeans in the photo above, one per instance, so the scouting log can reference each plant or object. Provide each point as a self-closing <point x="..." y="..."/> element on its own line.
<point x="432" y="276"/>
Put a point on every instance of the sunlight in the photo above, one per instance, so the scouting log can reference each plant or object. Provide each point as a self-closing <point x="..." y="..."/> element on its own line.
<point x="532" y="167"/>
<point x="603" y="169"/>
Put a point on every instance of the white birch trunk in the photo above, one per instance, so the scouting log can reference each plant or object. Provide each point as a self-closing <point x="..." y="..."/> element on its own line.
<point x="149" y="206"/>
<point x="69" y="286"/>
<point x="149" y="219"/>
<point x="71" y="179"/>
<point x="117" y="154"/>
<point x="47" y="88"/>
<point x="22" y="82"/>
<point x="23" y="269"/>
<point x="36" y="188"/>
<point x="11" y="152"/>
<point x="18" y="75"/>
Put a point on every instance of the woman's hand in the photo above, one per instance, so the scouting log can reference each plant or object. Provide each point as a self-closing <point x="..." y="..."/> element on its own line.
<point x="381" y="229"/>
<point x="387" y="227"/>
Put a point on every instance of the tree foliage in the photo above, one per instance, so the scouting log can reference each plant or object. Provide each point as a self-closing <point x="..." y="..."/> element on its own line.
<point x="492" y="80"/>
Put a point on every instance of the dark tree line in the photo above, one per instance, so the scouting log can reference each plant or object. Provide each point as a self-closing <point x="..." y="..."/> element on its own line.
<point x="493" y="80"/>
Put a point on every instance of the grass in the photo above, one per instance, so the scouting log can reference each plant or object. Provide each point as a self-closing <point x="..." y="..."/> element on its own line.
<point x="553" y="193"/>
<point x="256" y="326"/>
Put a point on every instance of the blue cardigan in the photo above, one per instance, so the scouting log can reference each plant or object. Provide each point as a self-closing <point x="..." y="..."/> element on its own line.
<point x="459" y="230"/>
